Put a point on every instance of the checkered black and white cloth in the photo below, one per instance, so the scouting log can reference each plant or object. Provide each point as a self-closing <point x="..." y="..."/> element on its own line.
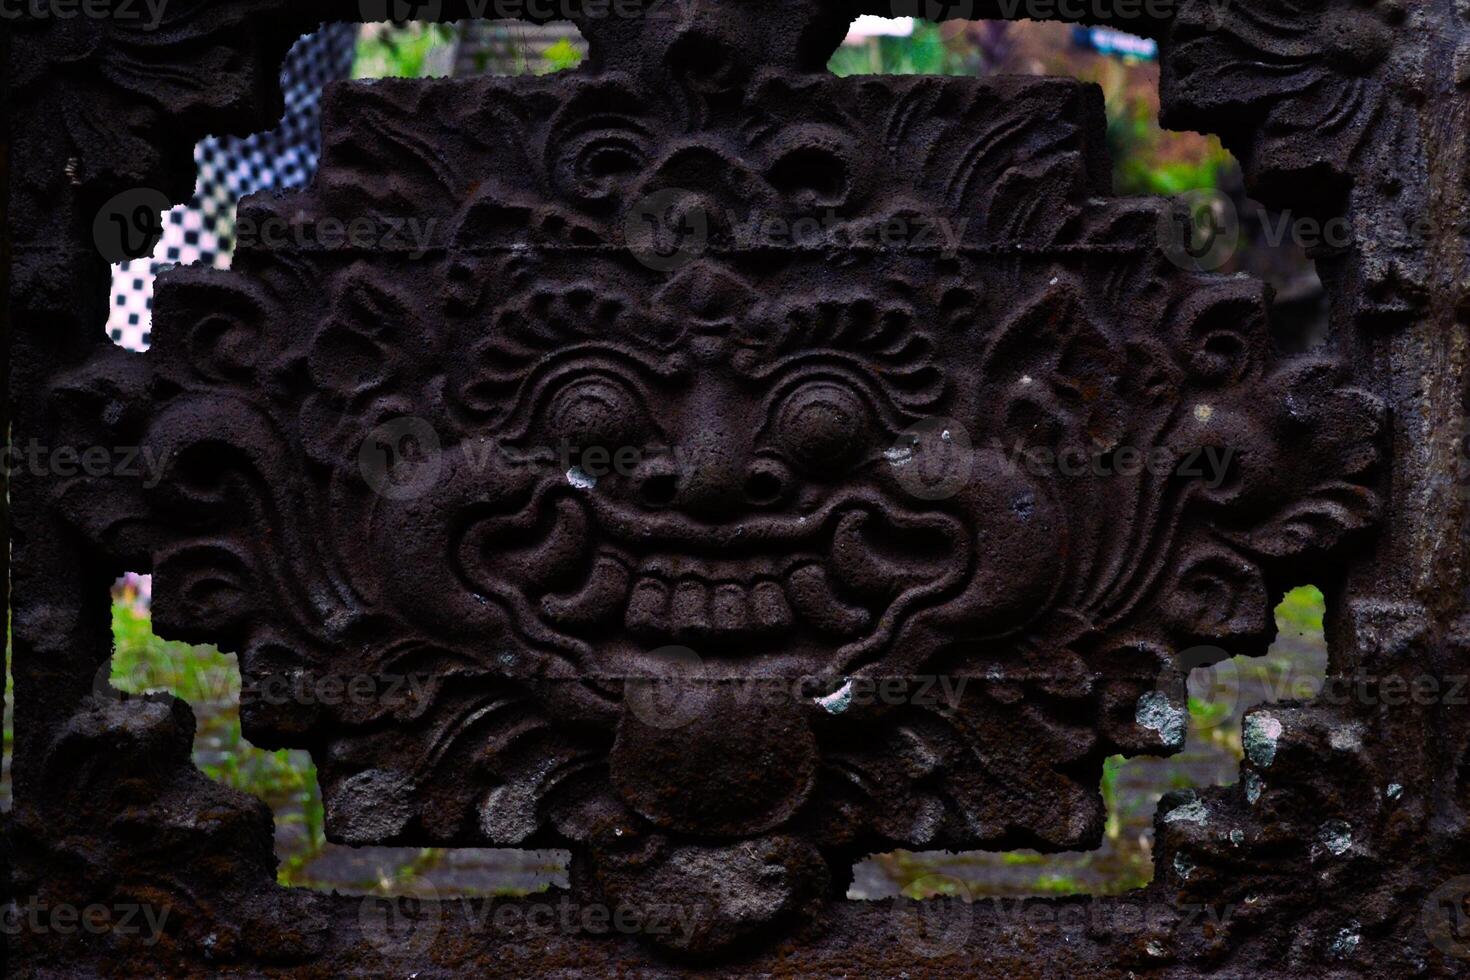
<point x="203" y="231"/>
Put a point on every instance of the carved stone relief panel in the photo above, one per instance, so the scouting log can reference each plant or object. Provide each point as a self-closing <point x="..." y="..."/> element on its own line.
<point x="727" y="471"/>
<point x="884" y="371"/>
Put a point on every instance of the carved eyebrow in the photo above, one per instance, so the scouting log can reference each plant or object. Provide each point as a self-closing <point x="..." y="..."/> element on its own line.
<point x="860" y="323"/>
<point x="551" y="319"/>
<point x="862" y="331"/>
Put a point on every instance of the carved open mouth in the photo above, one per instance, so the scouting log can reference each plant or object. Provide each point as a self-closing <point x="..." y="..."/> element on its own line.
<point x="833" y="584"/>
<point x="697" y="600"/>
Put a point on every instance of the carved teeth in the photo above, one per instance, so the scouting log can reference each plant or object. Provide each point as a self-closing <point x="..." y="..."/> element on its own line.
<point x="694" y="609"/>
<point x="691" y="612"/>
<point x="744" y="572"/>
<point x="813" y="597"/>
<point x="597" y="601"/>
<point x="730" y="610"/>
<point x="648" y="607"/>
<point x="769" y="604"/>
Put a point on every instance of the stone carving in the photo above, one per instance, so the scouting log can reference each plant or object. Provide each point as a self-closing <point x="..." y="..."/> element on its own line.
<point x="908" y="399"/>
<point x="125" y="94"/>
<point x="852" y="465"/>
<point x="1358" y="75"/>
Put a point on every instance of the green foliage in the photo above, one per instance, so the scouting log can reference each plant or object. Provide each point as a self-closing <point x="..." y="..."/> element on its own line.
<point x="926" y="52"/>
<point x="399" y="51"/>
<point x="1136" y="143"/>
<point x="292" y="870"/>
<point x="1057" y="884"/>
<point x="1301" y="610"/>
<point x="142" y="662"/>
<point x="923" y="880"/>
<point x="1139" y="147"/>
<point x="392" y="51"/>
<point x="1109" y="787"/>
<point x="562" y="55"/>
<point x="1207" y="714"/>
<point x="210" y="682"/>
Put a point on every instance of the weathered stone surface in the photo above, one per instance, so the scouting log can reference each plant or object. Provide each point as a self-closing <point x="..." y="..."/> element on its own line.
<point x="942" y="465"/>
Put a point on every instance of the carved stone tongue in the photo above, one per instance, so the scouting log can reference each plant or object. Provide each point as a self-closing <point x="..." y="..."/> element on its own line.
<point x="689" y="757"/>
<point x="698" y="765"/>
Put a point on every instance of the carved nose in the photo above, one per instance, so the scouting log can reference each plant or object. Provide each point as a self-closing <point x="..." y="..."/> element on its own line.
<point x="767" y="483"/>
<point x="711" y="484"/>
<point x="703" y="479"/>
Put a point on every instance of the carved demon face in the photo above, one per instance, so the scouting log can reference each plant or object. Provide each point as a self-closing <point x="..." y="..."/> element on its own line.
<point x="759" y="479"/>
<point x="522" y="467"/>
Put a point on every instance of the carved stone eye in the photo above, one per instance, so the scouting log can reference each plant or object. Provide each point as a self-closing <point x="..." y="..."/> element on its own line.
<point x="604" y="163"/>
<point x="813" y="171"/>
<point x="599" y="160"/>
<point x="597" y="411"/>
<point x="812" y="166"/>
<point x="823" y="424"/>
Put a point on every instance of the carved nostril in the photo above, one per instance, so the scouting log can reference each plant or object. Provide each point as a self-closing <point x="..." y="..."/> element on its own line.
<point x="658" y="489"/>
<point x="766" y="482"/>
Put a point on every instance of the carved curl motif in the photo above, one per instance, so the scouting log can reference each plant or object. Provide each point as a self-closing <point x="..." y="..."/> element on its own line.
<point x="1325" y="101"/>
<point x="1139" y="470"/>
<point x="126" y="96"/>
